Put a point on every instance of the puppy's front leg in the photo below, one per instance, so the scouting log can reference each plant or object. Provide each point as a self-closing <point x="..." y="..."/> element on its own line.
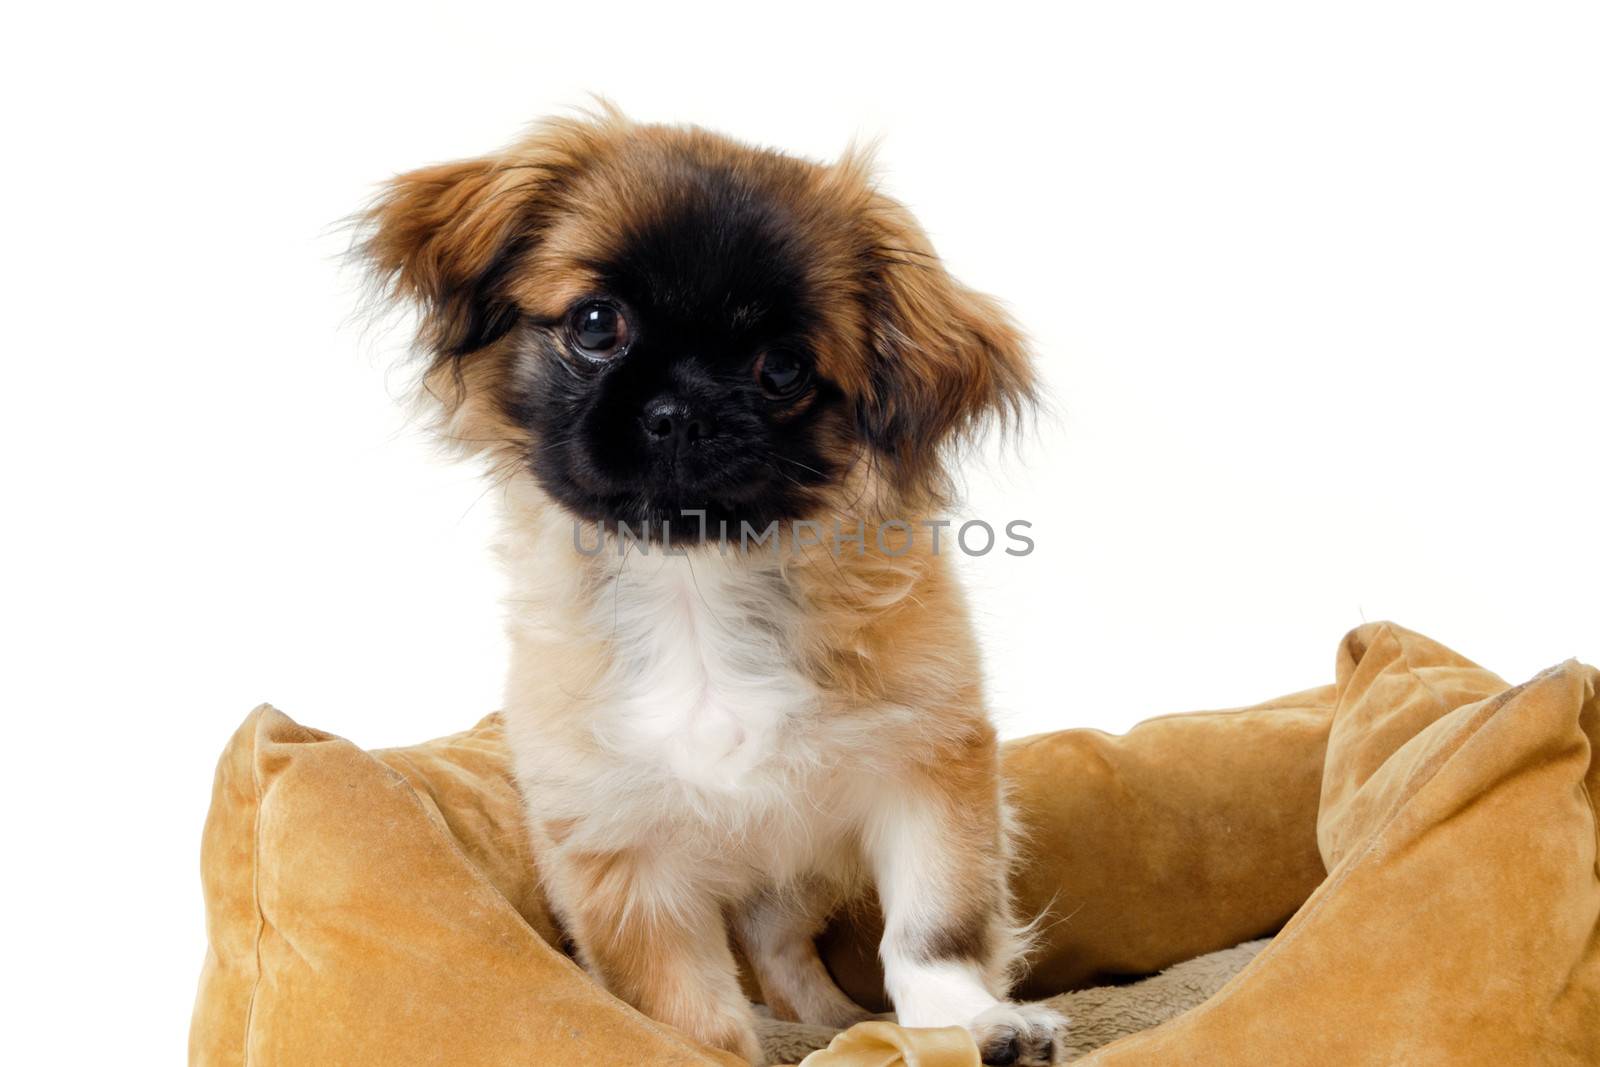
<point x="777" y="929"/>
<point x="949" y="942"/>
<point x="655" y="939"/>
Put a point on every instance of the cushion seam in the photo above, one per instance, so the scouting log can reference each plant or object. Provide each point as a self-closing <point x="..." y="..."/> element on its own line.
<point x="255" y="896"/>
<point x="1583" y="782"/>
<point x="1594" y="818"/>
<point x="1029" y="740"/>
<point x="1405" y="657"/>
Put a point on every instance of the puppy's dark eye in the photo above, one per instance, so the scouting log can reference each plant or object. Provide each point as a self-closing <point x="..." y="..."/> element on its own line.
<point x="781" y="374"/>
<point x="598" y="330"/>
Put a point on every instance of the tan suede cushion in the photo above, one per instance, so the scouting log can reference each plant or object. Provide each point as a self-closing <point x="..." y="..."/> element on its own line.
<point x="383" y="908"/>
<point x="1460" y="923"/>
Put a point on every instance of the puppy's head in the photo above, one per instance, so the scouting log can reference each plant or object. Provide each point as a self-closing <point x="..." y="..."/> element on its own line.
<point x="651" y="320"/>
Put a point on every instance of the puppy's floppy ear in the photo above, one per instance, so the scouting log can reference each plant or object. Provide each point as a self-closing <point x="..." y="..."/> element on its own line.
<point x="442" y="237"/>
<point x="448" y="237"/>
<point x="946" y="360"/>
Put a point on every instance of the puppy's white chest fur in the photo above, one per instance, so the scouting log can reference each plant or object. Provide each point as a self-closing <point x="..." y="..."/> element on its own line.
<point x="704" y="682"/>
<point x="662" y="705"/>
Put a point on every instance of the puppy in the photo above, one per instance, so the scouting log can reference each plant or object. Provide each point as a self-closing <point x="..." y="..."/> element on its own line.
<point x="719" y="388"/>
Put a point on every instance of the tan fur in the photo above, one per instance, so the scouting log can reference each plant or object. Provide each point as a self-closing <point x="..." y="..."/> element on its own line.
<point x="879" y="751"/>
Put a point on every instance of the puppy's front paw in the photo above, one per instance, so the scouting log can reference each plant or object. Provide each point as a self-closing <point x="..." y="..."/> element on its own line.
<point x="1027" y="1035"/>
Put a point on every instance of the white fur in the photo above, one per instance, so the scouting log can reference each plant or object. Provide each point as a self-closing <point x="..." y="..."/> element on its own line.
<point x="697" y="733"/>
<point x="915" y="883"/>
<point x="702" y="689"/>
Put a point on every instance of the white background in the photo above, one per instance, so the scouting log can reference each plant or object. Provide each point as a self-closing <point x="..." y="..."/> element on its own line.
<point x="1314" y="288"/>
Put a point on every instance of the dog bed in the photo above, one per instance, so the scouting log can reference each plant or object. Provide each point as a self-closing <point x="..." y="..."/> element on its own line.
<point x="1420" y="837"/>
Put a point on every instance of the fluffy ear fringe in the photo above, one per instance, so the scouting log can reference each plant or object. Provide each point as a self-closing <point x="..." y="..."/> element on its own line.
<point x="947" y="362"/>
<point x="445" y="239"/>
<point x="441" y="238"/>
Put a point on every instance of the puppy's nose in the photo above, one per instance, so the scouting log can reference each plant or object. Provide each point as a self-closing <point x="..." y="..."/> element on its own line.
<point x="671" y="423"/>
